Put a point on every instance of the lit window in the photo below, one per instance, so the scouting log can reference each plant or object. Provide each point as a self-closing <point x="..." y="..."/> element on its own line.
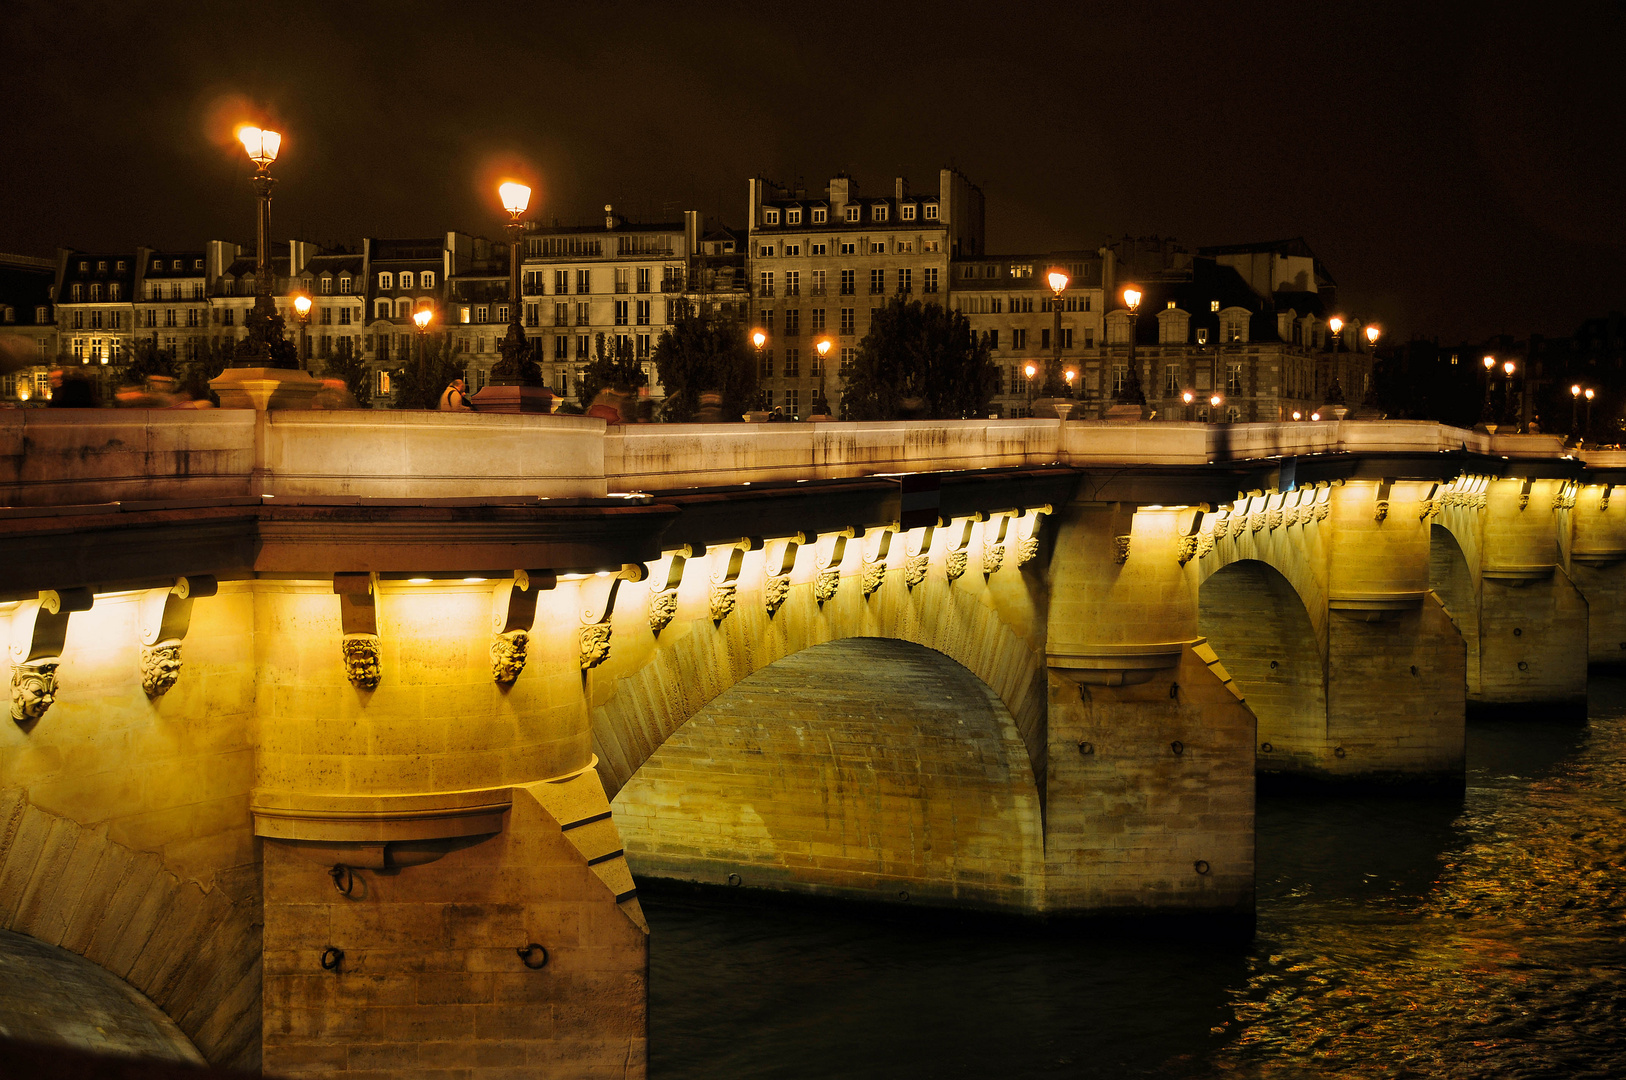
<point x="426" y="280"/>
<point x="386" y="280"/>
<point x="930" y="212"/>
<point x="908" y="211"/>
<point x="770" y="217"/>
<point x="1213" y="305"/>
<point x="878" y="211"/>
<point x="327" y="285"/>
<point x="793" y="217"/>
<point x="852" y="213"/>
<point x="818" y="215"/>
<point x="406" y="279"/>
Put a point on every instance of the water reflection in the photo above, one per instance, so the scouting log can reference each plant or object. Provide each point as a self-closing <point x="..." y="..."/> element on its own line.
<point x="1480" y="935"/>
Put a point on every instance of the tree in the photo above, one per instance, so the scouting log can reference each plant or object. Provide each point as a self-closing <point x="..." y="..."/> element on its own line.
<point x="921" y="361"/>
<point x="206" y="363"/>
<point x="420" y="380"/>
<point x="703" y="353"/>
<point x="147" y="359"/>
<point x="348" y="364"/>
<point x="614" y="367"/>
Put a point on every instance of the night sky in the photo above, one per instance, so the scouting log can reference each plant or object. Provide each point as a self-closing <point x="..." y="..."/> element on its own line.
<point x="1459" y="169"/>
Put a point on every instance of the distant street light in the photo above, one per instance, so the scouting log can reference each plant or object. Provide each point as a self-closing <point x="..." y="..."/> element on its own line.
<point x="759" y="339"/>
<point x="1507" y="391"/>
<point x="1373" y="332"/>
<point x="1335" y="392"/>
<point x="1589" y="394"/>
<point x="1575" y="409"/>
<point x="1070" y="375"/>
<point x="1130" y="393"/>
<point x="1188" y="397"/>
<point x="302" y="311"/>
<point x="1486" y="414"/>
<point x="1030" y="371"/>
<point x="822" y="347"/>
<point x="421" y="317"/>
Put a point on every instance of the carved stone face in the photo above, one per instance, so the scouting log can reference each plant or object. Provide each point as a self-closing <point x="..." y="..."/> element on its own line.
<point x="361" y="661"/>
<point x="33" y="689"/>
<point x="160" y="667"/>
<point x="508" y="653"/>
<point x="595" y="644"/>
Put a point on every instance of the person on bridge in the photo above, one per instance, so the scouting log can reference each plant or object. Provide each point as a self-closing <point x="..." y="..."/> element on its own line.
<point x="454" y="398"/>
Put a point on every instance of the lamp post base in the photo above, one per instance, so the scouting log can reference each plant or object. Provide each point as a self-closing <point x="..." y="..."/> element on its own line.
<point x="265" y="388"/>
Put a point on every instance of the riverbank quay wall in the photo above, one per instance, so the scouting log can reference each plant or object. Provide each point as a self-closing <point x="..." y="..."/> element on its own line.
<point x="291" y="685"/>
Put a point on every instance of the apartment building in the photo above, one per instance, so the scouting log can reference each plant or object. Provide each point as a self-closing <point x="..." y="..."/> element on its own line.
<point x="822" y="265"/>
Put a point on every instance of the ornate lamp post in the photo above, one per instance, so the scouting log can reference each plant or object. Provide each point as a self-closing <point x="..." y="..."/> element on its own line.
<point x="1589" y="394"/>
<point x="263" y="346"/>
<point x="1486" y="413"/>
<point x="1508" y="368"/>
<point x="822" y="347"/>
<point x="515" y="384"/>
<point x="1370" y="399"/>
<point x="302" y="312"/>
<point x="1052" y="376"/>
<point x="1575" y="409"/>
<point x="421" y="318"/>
<point x="1335" y="391"/>
<point x="1030" y="371"/>
<point x="1130" y="393"/>
<point x="1188" y="397"/>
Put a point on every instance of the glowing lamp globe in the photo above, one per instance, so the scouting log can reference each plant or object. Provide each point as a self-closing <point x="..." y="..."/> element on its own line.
<point x="1297" y="415"/>
<point x="1372" y="335"/>
<point x="1490" y="362"/>
<point x="1132" y="298"/>
<point x="1215" y="401"/>
<point x="1509" y="366"/>
<point x="1315" y="416"/>
<point x="1058" y="281"/>
<point x="1335" y="324"/>
<point x="1071" y="375"/>
<point x="1188" y="397"/>
<point x="823" y="346"/>
<point x="759" y="339"/>
<point x="262" y="145"/>
<point x="422" y="318"/>
<point x="1590" y="393"/>
<point x="302" y="304"/>
<point x="515" y="197"/>
<point x="1575" y="391"/>
<point x="1030" y="371"/>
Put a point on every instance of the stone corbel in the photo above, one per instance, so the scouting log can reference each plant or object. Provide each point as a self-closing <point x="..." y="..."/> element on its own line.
<point x="1027" y="545"/>
<point x="1186" y="537"/>
<point x="1257" y="515"/>
<point x="917" y="548"/>
<point x="513" y="613"/>
<point x="877" y="547"/>
<point x="1428" y="507"/>
<point x="1380" y="513"/>
<point x="358" y="619"/>
<point x="778" y="560"/>
<point x="598" y="595"/>
<point x="39" y="630"/>
<point x="827" y="556"/>
<point x="958" y="557"/>
<point x="1323" y="501"/>
<point x="1603" y="500"/>
<point x="1524" y="493"/>
<point x="667" y="575"/>
<point x="1274" y="515"/>
<point x="1116" y="664"/>
<point x="994" y="533"/>
<point x="166" y="615"/>
<point x="725" y="575"/>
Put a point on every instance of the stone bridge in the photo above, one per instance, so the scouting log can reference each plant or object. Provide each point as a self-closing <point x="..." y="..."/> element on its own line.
<point x="340" y="735"/>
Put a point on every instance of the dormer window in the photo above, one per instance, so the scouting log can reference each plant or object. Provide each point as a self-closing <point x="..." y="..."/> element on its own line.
<point x="101" y="267"/>
<point x="818" y="215"/>
<point x="853" y="213"/>
<point x="84" y="267"/>
<point x="386" y="280"/>
<point x="157" y="265"/>
<point x="930" y="212"/>
<point x="179" y="265"/>
<point x="878" y="211"/>
<point x="197" y="264"/>
<point x="406" y="279"/>
<point x="770" y="217"/>
<point x="327" y="285"/>
<point x="426" y="279"/>
<point x="793" y="217"/>
<point x="908" y="211"/>
<point x="113" y="291"/>
<point x="344" y="285"/>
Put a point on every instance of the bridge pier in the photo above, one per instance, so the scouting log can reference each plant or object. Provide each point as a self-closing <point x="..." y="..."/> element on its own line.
<point x="1597" y="567"/>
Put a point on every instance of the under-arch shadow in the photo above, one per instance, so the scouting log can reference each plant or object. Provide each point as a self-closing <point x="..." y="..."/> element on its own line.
<point x="1453" y="582"/>
<point x="862" y="768"/>
<point x="1258" y="625"/>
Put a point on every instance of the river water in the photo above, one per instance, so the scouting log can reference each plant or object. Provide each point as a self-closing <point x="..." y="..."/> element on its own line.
<point x="1477" y="935"/>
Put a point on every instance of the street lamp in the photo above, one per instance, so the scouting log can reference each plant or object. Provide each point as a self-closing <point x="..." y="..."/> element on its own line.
<point x="1486" y="415"/>
<point x="1575" y="408"/>
<point x="421" y="317"/>
<point x="1030" y="371"/>
<point x="822" y="347"/>
<point x="1589" y="394"/>
<point x="1058" y="284"/>
<point x="262" y="323"/>
<point x="1335" y="392"/>
<point x="302" y="311"/>
<point x="1373" y="332"/>
<point x="1130" y="392"/>
<point x="1507" y="392"/>
<point x="1188" y="397"/>
<point x="515" y="368"/>
<point x="1069" y="375"/>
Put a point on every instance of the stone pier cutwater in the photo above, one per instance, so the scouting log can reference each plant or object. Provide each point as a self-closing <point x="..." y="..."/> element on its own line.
<point x="342" y="746"/>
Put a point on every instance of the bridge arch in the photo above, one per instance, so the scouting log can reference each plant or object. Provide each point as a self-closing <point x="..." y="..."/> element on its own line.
<point x="864" y="767"/>
<point x="1258" y="624"/>
<point x="1452" y="580"/>
<point x="655" y="683"/>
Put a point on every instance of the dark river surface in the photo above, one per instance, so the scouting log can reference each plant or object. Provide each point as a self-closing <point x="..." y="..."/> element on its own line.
<point x="1479" y="934"/>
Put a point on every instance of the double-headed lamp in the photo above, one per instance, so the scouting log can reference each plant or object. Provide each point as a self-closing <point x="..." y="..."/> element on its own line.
<point x="1132" y="298"/>
<point x="515" y="197"/>
<point x="759" y="339"/>
<point x="262" y="145"/>
<point x="302" y="305"/>
<point x="422" y="317"/>
<point x="1058" y="281"/>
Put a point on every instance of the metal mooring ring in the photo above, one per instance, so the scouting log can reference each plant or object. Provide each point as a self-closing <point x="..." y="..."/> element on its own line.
<point x="344" y="878"/>
<point x="734" y="879"/>
<point x="529" y="954"/>
<point x="1086" y="748"/>
<point x="1266" y="747"/>
<point x="1201" y="866"/>
<point x="332" y="957"/>
<point x="1178" y="747"/>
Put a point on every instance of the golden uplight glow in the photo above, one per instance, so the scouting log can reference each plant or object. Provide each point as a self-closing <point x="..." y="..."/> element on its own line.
<point x="1132" y="298"/>
<point x="262" y="145"/>
<point x="515" y="196"/>
<point x="1058" y="280"/>
<point x="758" y="338"/>
<point x="422" y="317"/>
